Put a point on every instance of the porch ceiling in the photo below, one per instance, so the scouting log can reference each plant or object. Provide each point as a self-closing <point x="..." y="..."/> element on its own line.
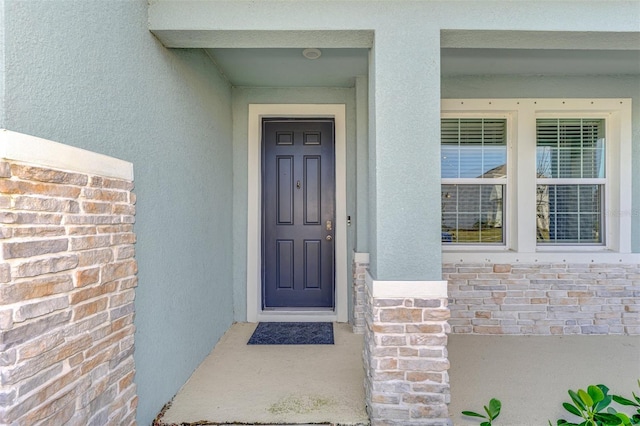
<point x="338" y="67"/>
<point x="288" y="68"/>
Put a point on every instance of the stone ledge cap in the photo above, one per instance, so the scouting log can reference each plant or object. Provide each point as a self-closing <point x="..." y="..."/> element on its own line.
<point x="45" y="153"/>
<point x="406" y="289"/>
<point x="360" y="257"/>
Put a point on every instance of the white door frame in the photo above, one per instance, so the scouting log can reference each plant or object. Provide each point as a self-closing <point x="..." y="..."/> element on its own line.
<point x="254" y="225"/>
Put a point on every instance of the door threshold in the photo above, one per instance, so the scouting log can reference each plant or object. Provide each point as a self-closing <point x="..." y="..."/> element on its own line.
<point x="297" y="315"/>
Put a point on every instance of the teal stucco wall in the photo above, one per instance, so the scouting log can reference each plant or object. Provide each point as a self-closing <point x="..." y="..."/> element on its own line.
<point x="614" y="86"/>
<point x="404" y="237"/>
<point x="242" y="97"/>
<point x="91" y="75"/>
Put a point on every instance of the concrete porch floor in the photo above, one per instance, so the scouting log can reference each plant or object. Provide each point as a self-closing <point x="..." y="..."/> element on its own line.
<point x="280" y="384"/>
<point x="323" y="384"/>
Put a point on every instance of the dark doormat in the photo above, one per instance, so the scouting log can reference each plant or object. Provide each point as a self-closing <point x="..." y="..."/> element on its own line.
<point x="292" y="333"/>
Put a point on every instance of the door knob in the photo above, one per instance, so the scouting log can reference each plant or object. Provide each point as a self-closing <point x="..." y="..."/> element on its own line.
<point x="329" y="238"/>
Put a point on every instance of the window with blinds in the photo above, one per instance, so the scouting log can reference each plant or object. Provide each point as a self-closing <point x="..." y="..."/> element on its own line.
<point x="474" y="179"/>
<point x="570" y="167"/>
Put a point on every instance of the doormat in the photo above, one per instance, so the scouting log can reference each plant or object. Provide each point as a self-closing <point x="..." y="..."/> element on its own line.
<point x="292" y="333"/>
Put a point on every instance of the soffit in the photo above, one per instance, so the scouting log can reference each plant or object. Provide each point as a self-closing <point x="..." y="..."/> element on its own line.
<point x="286" y="67"/>
<point x="567" y="40"/>
<point x="466" y="61"/>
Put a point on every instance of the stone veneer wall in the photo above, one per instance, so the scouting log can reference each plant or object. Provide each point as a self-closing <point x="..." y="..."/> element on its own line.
<point x="67" y="279"/>
<point x="405" y="355"/>
<point x="405" y="360"/>
<point x="544" y="299"/>
<point x="359" y="270"/>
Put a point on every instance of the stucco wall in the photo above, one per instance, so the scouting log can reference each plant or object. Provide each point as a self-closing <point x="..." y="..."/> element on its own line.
<point x="556" y="87"/>
<point x="90" y="74"/>
<point x="242" y="97"/>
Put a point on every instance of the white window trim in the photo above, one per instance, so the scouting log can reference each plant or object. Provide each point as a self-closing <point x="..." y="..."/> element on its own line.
<point x="521" y="244"/>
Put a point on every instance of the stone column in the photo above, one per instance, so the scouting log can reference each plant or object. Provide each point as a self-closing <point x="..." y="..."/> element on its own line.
<point x="405" y="354"/>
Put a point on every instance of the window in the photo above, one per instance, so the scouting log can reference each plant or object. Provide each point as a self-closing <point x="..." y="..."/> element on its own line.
<point x="536" y="176"/>
<point x="570" y="169"/>
<point x="474" y="172"/>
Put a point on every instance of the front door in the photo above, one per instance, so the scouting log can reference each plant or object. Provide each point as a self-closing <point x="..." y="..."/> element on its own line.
<point x="298" y="209"/>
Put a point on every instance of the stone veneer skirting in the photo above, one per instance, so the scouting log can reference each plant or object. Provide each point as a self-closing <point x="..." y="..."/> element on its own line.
<point x="405" y="327"/>
<point x="544" y="299"/>
<point x="359" y="270"/>
<point x="67" y="279"/>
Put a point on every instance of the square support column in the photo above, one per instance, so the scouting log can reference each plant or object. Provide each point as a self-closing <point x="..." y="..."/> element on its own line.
<point x="405" y="353"/>
<point x="405" y="299"/>
<point x="404" y="154"/>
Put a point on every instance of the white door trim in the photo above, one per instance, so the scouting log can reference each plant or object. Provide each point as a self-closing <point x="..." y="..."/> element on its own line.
<point x="254" y="207"/>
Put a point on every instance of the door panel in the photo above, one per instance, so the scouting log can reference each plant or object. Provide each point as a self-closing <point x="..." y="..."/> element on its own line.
<point x="298" y="198"/>
<point x="285" y="189"/>
<point x="312" y="190"/>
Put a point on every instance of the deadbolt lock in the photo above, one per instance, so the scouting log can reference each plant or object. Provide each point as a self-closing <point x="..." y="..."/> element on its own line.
<point x="329" y="226"/>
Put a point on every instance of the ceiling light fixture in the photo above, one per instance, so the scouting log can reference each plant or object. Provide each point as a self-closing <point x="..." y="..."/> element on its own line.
<point x="311" y="53"/>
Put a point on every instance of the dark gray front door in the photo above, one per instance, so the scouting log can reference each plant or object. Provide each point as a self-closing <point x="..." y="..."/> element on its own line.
<point x="298" y="185"/>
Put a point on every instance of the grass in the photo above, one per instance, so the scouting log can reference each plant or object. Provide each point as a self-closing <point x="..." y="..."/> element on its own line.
<point x="487" y="235"/>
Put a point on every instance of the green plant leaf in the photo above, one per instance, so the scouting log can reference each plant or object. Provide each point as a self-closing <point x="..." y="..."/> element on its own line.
<point x="473" y="414"/>
<point x="584" y="396"/>
<point x="607" y="419"/>
<point x="603" y="388"/>
<point x="494" y="408"/>
<point x="565" y="423"/>
<point x="486" y="410"/>
<point x="604" y="403"/>
<point x="625" y="419"/>
<point x="485" y="424"/>
<point x="570" y="408"/>
<point x="576" y="399"/>
<point x="596" y="394"/>
<point x="624" y="401"/>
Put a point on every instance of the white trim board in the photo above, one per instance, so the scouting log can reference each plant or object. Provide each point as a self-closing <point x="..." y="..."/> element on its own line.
<point x="254" y="208"/>
<point x="45" y="153"/>
<point x="406" y="289"/>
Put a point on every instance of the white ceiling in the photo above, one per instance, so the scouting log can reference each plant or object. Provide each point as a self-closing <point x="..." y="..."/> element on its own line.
<point x="276" y="67"/>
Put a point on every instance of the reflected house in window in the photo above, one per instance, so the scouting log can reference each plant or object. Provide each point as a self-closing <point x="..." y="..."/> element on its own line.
<point x="496" y="209"/>
<point x="474" y="213"/>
